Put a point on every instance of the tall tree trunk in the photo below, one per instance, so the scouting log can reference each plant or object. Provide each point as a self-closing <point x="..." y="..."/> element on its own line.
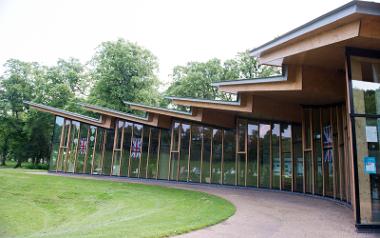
<point x="3" y="160"/>
<point x="18" y="165"/>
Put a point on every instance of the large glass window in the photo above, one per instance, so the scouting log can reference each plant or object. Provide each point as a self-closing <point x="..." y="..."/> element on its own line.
<point x="163" y="167"/>
<point x="276" y="160"/>
<point x="241" y="152"/>
<point x="229" y="171"/>
<point x="91" y="149"/>
<point x="253" y="139"/>
<point x="287" y="161"/>
<point x="153" y="153"/>
<point x="184" y="152"/>
<point x="195" y="153"/>
<point x="328" y="153"/>
<point x="56" y="142"/>
<point x="207" y="134"/>
<point x="318" y="178"/>
<point x="174" y="159"/>
<point x="144" y="154"/>
<point x="265" y="142"/>
<point x="135" y="158"/>
<point x="298" y="158"/>
<point x="342" y="169"/>
<point x="98" y="154"/>
<point x="365" y="76"/>
<point x="308" y="156"/>
<point x="117" y="149"/>
<point x="64" y="145"/>
<point x="73" y="147"/>
<point x="127" y="142"/>
<point x="217" y="150"/>
<point x="107" y="159"/>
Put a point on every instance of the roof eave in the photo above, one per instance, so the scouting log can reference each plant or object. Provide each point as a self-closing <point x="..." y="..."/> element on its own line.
<point x="359" y="7"/>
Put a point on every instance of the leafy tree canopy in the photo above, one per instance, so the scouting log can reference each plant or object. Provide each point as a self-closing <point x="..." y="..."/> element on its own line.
<point x="194" y="80"/>
<point x="123" y="71"/>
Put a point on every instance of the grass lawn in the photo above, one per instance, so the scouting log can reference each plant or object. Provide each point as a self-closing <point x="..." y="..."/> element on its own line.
<point x="48" y="206"/>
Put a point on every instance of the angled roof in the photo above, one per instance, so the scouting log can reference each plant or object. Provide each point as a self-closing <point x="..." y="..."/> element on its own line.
<point x="221" y="102"/>
<point x="67" y="114"/>
<point x="112" y="112"/>
<point x="153" y="109"/>
<point x="242" y="104"/>
<point x="353" y="7"/>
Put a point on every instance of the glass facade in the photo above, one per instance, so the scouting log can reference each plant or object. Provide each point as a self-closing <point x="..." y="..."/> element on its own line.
<point x="255" y="153"/>
<point x="364" y="79"/>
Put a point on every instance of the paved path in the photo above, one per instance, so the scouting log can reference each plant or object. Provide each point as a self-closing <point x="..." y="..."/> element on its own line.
<point x="266" y="213"/>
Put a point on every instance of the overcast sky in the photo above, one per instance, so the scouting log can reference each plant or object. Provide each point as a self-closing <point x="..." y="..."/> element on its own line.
<point x="176" y="31"/>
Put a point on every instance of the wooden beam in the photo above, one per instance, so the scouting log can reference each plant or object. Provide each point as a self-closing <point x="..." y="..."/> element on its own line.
<point x="341" y="33"/>
<point x="293" y="83"/>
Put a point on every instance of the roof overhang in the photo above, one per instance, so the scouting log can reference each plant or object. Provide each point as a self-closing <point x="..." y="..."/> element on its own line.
<point x="103" y="121"/>
<point x="243" y="104"/>
<point x="338" y="25"/>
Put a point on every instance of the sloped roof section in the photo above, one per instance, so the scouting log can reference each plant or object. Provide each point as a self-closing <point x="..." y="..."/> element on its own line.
<point x="71" y="115"/>
<point x="338" y="14"/>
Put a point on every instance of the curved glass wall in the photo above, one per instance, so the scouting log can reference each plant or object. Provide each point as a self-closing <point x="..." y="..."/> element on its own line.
<point x="364" y="68"/>
<point x="256" y="153"/>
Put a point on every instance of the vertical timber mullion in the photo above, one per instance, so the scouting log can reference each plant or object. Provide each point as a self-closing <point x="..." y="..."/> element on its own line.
<point x="171" y="149"/>
<point x="60" y="144"/>
<point x="87" y="150"/>
<point x="114" y="144"/>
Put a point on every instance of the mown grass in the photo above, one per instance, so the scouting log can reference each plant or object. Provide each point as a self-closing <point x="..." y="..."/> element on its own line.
<point x="34" y="205"/>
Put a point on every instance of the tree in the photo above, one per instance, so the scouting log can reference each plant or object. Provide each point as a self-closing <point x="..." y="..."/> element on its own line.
<point x="194" y="79"/>
<point x="27" y="134"/>
<point x="123" y="71"/>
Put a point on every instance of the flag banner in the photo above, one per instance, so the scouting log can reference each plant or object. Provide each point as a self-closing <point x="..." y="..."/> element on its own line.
<point x="82" y="145"/>
<point x="328" y="156"/>
<point x="136" y="148"/>
<point x="327" y="136"/>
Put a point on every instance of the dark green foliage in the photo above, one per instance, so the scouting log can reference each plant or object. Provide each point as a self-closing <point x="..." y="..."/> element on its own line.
<point x="194" y="80"/>
<point x="123" y="71"/>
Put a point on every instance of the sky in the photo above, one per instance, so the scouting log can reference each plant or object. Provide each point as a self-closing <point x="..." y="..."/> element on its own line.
<point x="175" y="31"/>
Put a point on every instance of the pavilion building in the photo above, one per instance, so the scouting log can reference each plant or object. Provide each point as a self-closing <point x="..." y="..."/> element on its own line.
<point x="314" y="129"/>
